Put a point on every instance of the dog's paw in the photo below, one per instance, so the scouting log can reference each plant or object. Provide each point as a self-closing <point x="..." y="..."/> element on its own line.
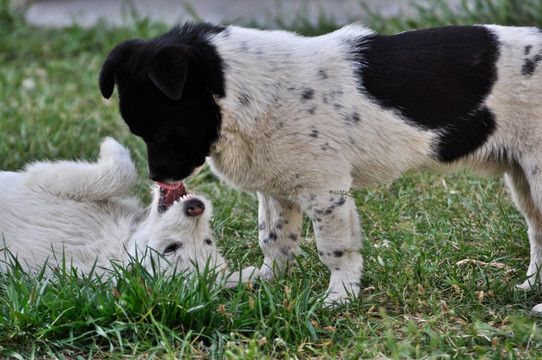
<point x="247" y="275"/>
<point x="336" y="299"/>
<point x="525" y="286"/>
<point x="266" y="273"/>
<point x="111" y="150"/>
<point x="116" y="164"/>
<point x="537" y="310"/>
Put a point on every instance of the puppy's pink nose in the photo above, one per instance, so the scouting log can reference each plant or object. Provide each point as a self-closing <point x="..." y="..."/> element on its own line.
<point x="193" y="207"/>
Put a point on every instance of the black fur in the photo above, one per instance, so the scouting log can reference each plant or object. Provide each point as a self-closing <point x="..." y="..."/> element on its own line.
<point x="170" y="104"/>
<point x="437" y="79"/>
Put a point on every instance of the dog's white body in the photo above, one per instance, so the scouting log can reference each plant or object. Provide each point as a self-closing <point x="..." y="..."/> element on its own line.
<point x="77" y="212"/>
<point x="302" y="120"/>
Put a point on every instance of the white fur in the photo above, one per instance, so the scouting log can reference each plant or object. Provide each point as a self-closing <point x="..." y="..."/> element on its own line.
<point x="76" y="210"/>
<point x="266" y="144"/>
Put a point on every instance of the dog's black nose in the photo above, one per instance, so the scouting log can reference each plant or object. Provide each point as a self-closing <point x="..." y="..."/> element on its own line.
<point x="193" y="207"/>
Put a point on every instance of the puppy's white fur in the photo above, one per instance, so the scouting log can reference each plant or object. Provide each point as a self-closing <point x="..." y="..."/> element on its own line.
<point x="291" y="172"/>
<point x="76" y="211"/>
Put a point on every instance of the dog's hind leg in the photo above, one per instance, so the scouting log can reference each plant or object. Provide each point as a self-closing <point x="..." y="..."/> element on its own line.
<point x="112" y="175"/>
<point x="338" y="238"/>
<point x="526" y="188"/>
<point x="279" y="223"/>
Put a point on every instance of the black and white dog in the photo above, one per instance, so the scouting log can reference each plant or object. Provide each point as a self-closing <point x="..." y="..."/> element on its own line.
<point x="302" y="120"/>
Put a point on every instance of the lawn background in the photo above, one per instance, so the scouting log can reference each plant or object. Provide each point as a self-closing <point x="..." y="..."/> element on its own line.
<point x="418" y="299"/>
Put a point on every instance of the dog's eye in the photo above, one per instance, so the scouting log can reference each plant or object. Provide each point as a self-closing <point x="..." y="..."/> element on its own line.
<point x="172" y="248"/>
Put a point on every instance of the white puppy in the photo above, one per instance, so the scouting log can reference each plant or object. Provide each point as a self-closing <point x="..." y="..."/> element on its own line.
<point x="75" y="211"/>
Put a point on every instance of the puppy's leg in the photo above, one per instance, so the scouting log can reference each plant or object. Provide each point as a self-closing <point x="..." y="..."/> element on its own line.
<point x="279" y="223"/>
<point x="527" y="193"/>
<point x="112" y="175"/>
<point x="338" y="238"/>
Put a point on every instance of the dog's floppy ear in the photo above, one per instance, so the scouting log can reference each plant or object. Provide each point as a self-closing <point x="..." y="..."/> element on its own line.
<point x="116" y="58"/>
<point x="168" y="71"/>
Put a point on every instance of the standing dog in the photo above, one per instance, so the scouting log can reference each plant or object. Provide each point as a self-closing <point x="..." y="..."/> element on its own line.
<point x="75" y="211"/>
<point x="301" y="120"/>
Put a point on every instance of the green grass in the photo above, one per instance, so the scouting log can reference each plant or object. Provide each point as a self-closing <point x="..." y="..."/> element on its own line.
<point x="417" y="301"/>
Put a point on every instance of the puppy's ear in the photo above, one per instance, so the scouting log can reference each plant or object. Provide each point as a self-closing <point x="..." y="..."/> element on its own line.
<point x="116" y="58"/>
<point x="168" y="71"/>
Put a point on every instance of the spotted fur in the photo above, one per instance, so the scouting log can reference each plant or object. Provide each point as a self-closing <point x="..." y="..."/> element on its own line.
<point x="301" y="120"/>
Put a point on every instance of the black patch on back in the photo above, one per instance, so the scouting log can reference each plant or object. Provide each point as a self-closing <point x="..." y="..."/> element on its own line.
<point x="437" y="79"/>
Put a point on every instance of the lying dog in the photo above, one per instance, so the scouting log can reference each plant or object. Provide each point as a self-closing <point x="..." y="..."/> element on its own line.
<point x="302" y="120"/>
<point x="74" y="212"/>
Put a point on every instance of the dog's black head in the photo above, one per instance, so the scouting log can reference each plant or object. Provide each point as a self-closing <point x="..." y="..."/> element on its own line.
<point x="166" y="89"/>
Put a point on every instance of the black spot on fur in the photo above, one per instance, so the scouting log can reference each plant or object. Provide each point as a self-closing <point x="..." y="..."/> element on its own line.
<point x="452" y="70"/>
<point x="529" y="66"/>
<point x="314" y="133"/>
<point x="352" y="119"/>
<point x="311" y="110"/>
<point x="262" y="226"/>
<point x="322" y="74"/>
<point x="272" y="236"/>
<point x="244" y="99"/>
<point x="284" y="250"/>
<point x="278" y="224"/>
<point x="338" y="253"/>
<point x="209" y="241"/>
<point x="293" y="236"/>
<point x="307" y="94"/>
<point x="527" y="49"/>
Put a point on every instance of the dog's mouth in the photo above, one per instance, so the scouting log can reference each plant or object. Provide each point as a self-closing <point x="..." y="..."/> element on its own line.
<point x="169" y="193"/>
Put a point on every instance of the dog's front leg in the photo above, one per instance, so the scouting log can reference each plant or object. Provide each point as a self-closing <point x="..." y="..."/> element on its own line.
<point x="279" y="223"/>
<point x="113" y="174"/>
<point x="338" y="238"/>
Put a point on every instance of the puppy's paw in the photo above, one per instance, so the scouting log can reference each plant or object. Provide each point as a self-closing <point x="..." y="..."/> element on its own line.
<point x="266" y="273"/>
<point x="111" y="150"/>
<point x="525" y="286"/>
<point x="116" y="165"/>
<point x="335" y="300"/>
<point x="247" y="275"/>
<point x="537" y="310"/>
